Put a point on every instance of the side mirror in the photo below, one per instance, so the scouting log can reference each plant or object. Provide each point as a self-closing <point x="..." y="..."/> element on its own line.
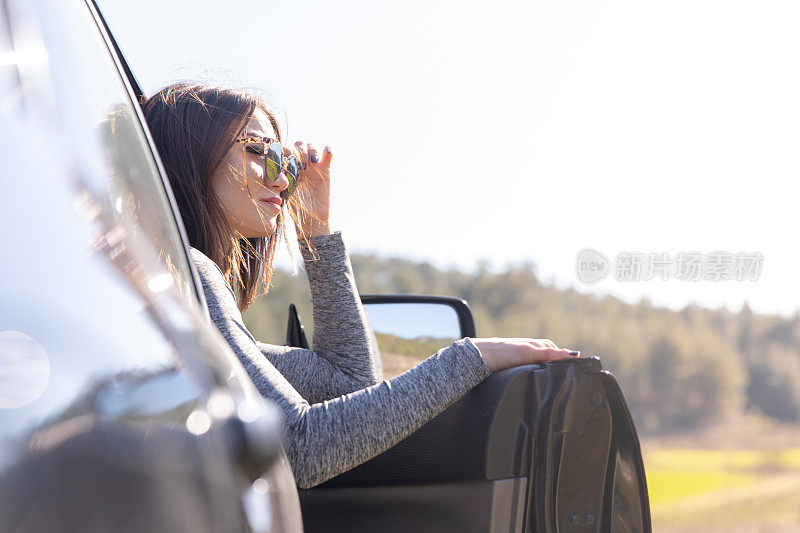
<point x="418" y="320"/>
<point x="410" y="328"/>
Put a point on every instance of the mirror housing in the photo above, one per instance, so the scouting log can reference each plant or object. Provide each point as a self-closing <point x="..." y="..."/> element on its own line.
<point x="466" y="322"/>
<point x="295" y="333"/>
<point x="408" y="329"/>
<point x="463" y="320"/>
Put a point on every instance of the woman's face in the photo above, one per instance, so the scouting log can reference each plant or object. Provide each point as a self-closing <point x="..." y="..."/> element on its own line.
<point x="251" y="202"/>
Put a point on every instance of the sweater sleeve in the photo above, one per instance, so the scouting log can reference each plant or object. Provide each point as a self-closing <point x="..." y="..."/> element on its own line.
<point x="327" y="438"/>
<point x="344" y="358"/>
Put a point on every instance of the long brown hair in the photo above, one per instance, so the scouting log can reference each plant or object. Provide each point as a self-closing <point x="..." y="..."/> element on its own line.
<point x="193" y="127"/>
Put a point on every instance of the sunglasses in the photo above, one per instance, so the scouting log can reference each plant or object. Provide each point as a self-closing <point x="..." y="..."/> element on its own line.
<point x="274" y="161"/>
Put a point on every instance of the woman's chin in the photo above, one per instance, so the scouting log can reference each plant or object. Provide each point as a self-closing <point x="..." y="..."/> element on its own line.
<point x="258" y="231"/>
<point x="263" y="226"/>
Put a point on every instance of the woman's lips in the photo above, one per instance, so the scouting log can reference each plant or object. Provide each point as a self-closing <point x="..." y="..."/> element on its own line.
<point x="274" y="201"/>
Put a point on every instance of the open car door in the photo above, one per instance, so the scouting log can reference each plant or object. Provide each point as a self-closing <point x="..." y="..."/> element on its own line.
<point x="546" y="447"/>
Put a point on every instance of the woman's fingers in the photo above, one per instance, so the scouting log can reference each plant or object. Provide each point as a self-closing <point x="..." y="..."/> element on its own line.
<point x="309" y="155"/>
<point x="500" y="353"/>
<point x="540" y="343"/>
<point x="543" y="355"/>
<point x="301" y="148"/>
<point x="550" y="344"/>
<point x="543" y="343"/>
<point x="312" y="153"/>
<point x="327" y="155"/>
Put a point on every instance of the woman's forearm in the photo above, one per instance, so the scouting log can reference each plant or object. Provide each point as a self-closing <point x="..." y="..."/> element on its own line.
<point x="326" y="439"/>
<point x="341" y="330"/>
<point x="343" y="357"/>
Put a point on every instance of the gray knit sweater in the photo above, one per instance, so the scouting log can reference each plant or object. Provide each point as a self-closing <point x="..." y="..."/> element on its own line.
<point x="336" y="412"/>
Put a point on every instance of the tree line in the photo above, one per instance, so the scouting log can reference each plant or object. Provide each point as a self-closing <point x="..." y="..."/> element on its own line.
<point x="680" y="370"/>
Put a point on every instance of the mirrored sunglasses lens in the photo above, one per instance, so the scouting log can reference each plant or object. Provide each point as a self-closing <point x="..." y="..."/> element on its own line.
<point x="274" y="161"/>
<point x="292" y="173"/>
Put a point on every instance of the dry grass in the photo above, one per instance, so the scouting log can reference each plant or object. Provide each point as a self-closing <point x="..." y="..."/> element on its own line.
<point x="742" y="477"/>
<point x="394" y="364"/>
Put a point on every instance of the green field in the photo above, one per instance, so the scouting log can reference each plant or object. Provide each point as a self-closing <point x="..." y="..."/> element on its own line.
<point x="724" y="490"/>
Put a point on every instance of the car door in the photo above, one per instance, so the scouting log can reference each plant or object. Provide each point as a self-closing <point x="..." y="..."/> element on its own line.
<point x="546" y="447"/>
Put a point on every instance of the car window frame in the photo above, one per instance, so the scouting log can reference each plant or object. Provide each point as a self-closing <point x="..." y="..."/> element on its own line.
<point x="136" y="96"/>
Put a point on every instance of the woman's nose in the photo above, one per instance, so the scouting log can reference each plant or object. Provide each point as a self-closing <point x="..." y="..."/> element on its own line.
<point x="280" y="184"/>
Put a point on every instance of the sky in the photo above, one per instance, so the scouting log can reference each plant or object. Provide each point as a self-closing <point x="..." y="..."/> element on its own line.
<point x="414" y="320"/>
<point x="469" y="133"/>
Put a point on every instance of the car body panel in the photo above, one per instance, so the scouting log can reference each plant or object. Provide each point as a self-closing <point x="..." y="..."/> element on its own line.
<point x="121" y="407"/>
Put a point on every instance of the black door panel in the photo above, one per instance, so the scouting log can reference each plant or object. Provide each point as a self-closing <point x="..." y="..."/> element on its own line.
<point x="565" y="426"/>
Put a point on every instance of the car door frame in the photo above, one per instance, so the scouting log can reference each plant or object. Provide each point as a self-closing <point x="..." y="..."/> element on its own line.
<point x="137" y="96"/>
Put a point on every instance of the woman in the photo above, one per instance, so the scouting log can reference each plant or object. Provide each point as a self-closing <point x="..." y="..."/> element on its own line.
<point x="234" y="194"/>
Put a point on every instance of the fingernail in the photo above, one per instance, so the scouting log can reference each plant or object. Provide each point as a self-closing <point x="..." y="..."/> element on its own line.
<point x="327" y="150"/>
<point x="314" y="158"/>
<point x="575" y="352"/>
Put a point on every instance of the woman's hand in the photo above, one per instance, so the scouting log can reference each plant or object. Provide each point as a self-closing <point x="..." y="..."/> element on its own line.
<point x="314" y="190"/>
<point x="505" y="353"/>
